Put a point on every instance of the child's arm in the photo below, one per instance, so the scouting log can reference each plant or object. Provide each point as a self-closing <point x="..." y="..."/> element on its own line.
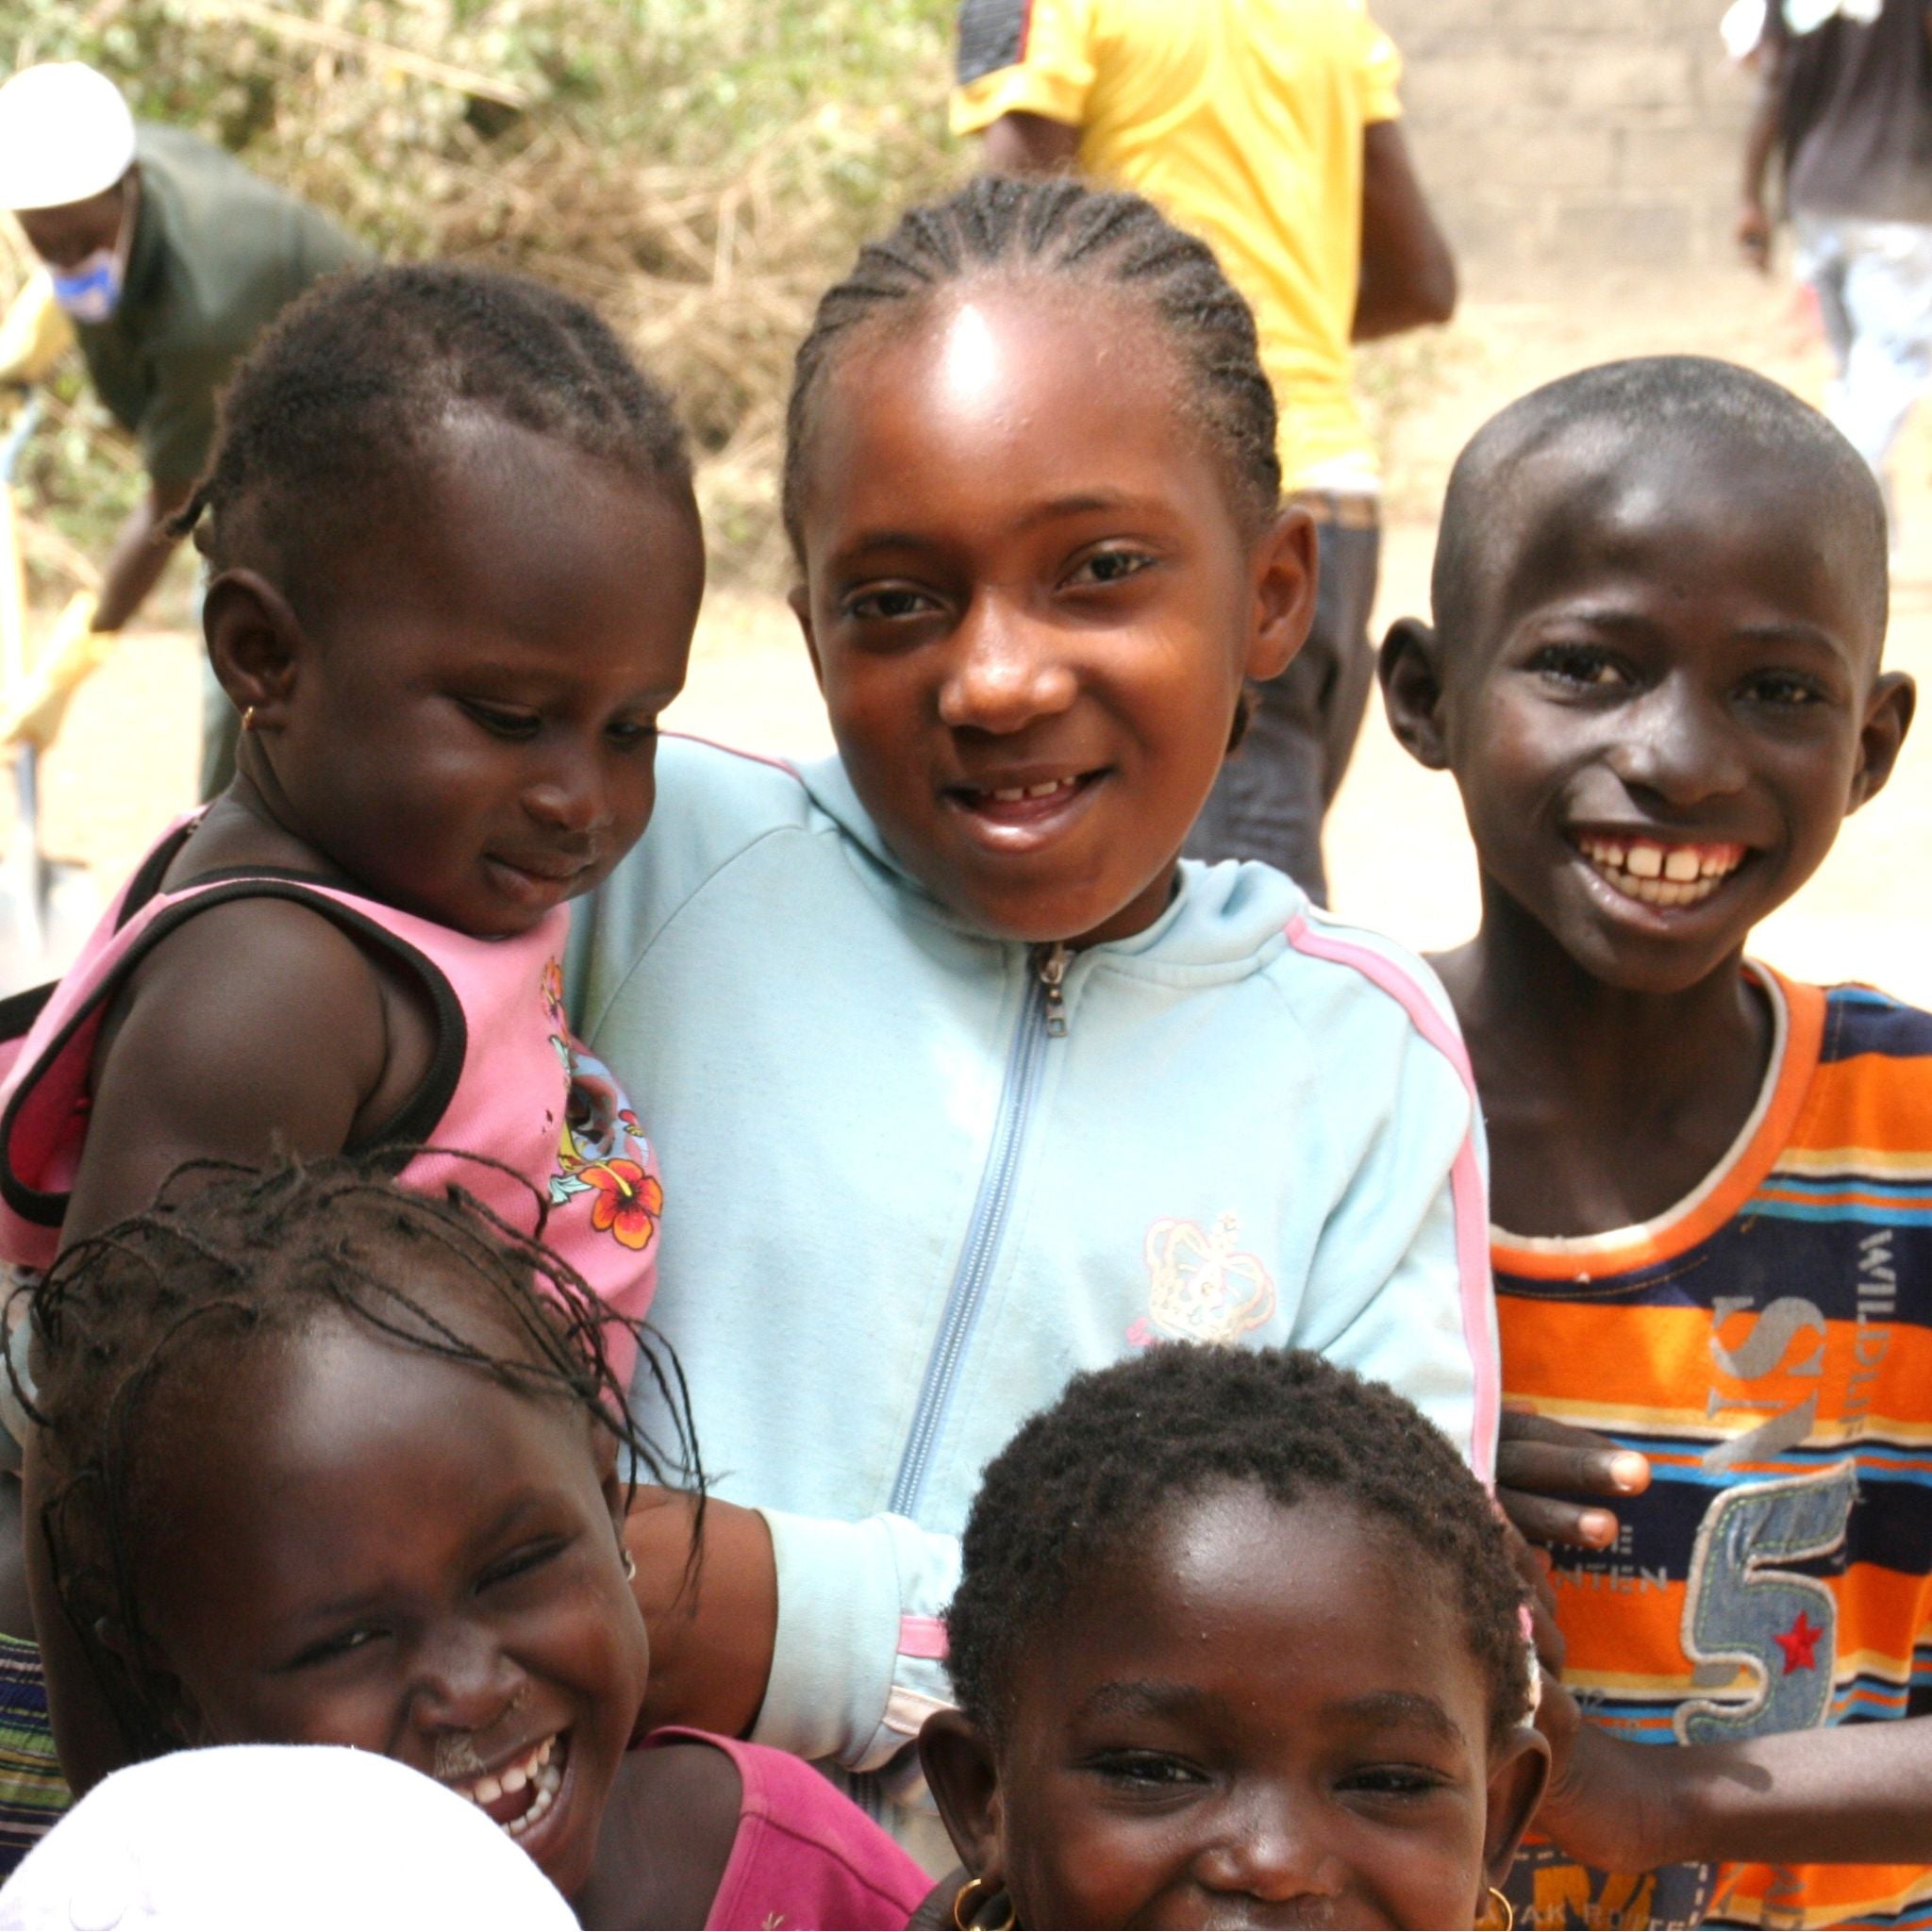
<point x="818" y="1636"/>
<point x="258" y="1025"/>
<point x="1859" y="1794"/>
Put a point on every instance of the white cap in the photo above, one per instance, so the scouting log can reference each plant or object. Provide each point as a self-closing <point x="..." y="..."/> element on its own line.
<point x="304" y="1838"/>
<point x="66" y="135"/>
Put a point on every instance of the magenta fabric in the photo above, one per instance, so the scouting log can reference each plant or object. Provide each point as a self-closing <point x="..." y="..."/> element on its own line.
<point x="510" y="1081"/>
<point x="805" y="1857"/>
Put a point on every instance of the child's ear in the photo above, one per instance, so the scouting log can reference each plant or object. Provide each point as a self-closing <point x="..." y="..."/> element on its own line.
<point x="1888" y="718"/>
<point x="959" y="1772"/>
<point x="170" y="1700"/>
<point x="1410" y="668"/>
<point x="253" y="642"/>
<point x="799" y="597"/>
<point x="1285" y="574"/>
<point x="1518" y="1772"/>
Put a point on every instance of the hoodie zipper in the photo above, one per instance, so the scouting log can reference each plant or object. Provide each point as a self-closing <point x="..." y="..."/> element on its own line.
<point x="1044" y="1018"/>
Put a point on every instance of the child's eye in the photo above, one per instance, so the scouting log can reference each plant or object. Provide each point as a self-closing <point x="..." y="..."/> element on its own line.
<point x="886" y="606"/>
<point x="626" y="735"/>
<point x="1110" y="567"/>
<point x="1148" y="1769"/>
<point x="1578" y="666"/>
<point x="332" y="1649"/>
<point x="1783" y="688"/>
<point x="522" y="1562"/>
<point x="1394" y="1780"/>
<point x="501" y="720"/>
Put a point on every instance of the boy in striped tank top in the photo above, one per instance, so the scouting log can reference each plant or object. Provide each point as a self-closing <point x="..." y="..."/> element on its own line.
<point x="1655" y="672"/>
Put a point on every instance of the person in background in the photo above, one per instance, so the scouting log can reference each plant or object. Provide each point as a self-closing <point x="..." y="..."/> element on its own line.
<point x="1269" y="128"/>
<point x="1845" y="100"/>
<point x="169" y="259"/>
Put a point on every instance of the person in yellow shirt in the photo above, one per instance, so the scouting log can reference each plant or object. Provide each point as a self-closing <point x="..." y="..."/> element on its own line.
<point x="1270" y="128"/>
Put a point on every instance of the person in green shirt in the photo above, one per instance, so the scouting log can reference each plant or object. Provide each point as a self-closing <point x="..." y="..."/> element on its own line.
<point x="168" y="257"/>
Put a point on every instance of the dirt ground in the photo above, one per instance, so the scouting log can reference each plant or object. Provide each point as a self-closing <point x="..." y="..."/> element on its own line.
<point x="1398" y="855"/>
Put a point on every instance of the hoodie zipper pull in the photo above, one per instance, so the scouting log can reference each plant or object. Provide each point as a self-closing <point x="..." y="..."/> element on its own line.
<point x="1052" y="968"/>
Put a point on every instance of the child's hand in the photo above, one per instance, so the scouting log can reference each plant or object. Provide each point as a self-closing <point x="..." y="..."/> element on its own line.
<point x="1599" y="1807"/>
<point x="1538" y="1461"/>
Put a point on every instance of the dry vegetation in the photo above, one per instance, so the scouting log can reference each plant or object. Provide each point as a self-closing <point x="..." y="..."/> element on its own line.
<point x="700" y="169"/>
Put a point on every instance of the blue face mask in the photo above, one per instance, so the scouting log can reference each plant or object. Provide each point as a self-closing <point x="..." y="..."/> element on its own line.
<point x="92" y="291"/>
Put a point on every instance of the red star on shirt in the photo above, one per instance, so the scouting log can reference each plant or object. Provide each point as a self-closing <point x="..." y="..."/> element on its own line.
<point x="1799" y="1644"/>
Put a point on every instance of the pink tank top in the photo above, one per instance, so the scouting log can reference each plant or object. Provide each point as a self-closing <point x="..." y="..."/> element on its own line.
<point x="506" y="1079"/>
<point x="804" y="1855"/>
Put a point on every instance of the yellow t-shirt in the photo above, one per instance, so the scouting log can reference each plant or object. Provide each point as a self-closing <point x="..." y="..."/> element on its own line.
<point x="1244" y="120"/>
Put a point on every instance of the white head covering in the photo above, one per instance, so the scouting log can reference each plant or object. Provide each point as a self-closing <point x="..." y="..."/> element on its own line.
<point x="66" y="135"/>
<point x="303" y="1838"/>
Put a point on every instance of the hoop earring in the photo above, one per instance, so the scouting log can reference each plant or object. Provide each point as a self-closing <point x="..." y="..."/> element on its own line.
<point x="248" y="718"/>
<point x="1499" y="1901"/>
<point x="630" y="1564"/>
<point x="966" y="1925"/>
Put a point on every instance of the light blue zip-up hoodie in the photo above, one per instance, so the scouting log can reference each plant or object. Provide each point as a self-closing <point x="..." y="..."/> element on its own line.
<point x="912" y="1186"/>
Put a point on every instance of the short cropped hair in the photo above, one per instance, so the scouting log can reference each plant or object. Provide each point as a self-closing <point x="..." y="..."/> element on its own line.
<point x="1641" y="401"/>
<point x="1084" y="1479"/>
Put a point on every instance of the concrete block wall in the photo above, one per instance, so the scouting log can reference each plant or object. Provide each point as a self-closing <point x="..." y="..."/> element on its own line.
<point x="1555" y="135"/>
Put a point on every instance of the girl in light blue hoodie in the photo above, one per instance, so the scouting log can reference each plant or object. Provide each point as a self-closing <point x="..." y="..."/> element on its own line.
<point x="964" y="1082"/>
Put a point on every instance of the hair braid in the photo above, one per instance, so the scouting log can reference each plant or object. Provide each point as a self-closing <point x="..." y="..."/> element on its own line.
<point x="228" y="1256"/>
<point x="1056" y="230"/>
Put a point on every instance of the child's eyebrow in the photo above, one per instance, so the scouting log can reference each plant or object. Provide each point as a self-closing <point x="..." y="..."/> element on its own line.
<point x="1147" y="1698"/>
<point x="1399" y="1710"/>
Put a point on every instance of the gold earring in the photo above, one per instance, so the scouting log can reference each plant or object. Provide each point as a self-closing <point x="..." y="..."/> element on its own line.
<point x="248" y="718"/>
<point x="1499" y="1903"/>
<point x="966" y="1925"/>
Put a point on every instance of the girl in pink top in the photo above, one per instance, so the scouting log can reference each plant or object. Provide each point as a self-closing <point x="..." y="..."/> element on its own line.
<point x="328" y="1465"/>
<point x="454" y="568"/>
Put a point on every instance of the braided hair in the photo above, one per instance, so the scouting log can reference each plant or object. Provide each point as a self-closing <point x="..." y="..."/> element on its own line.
<point x="340" y="408"/>
<point x="1083" y="1480"/>
<point x="128" y="1324"/>
<point x="1057" y="232"/>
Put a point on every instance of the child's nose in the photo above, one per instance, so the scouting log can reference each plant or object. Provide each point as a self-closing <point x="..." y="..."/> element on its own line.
<point x="1681" y="747"/>
<point x="572" y="800"/>
<point x="462" y="1681"/>
<point x="1005" y="672"/>
<point x="1272" y="1849"/>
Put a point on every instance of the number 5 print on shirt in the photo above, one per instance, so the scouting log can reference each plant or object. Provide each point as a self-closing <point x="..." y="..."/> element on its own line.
<point x="1740" y="1610"/>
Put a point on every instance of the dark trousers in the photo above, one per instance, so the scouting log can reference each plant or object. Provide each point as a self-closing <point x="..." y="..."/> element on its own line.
<point x="1275" y="789"/>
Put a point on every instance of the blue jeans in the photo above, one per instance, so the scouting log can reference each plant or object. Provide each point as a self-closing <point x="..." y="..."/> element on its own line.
<point x="1875" y="292"/>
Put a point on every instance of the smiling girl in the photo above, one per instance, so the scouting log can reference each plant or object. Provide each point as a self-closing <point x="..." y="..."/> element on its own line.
<point x="1238" y="1642"/>
<point x="453" y="570"/>
<point x="333" y="1463"/>
<point x="975" y="1083"/>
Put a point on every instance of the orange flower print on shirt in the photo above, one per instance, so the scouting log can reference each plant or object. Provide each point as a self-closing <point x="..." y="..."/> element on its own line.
<point x="628" y="1200"/>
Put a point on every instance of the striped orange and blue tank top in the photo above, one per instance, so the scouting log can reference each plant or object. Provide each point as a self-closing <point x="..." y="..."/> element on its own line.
<point x="1768" y="1345"/>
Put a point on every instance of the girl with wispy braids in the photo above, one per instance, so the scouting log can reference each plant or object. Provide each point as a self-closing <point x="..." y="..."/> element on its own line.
<point x="331" y="1461"/>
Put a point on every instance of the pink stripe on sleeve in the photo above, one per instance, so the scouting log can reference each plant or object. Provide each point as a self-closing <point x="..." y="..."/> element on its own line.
<point x="1465" y="1174"/>
<point x="923" y="1637"/>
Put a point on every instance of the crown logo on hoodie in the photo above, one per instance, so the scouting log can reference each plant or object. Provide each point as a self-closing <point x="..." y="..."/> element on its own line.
<point x="1202" y="1287"/>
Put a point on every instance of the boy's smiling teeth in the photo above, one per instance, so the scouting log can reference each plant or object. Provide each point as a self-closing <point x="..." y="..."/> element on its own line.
<point x="1659" y="875"/>
<point x="533" y="1773"/>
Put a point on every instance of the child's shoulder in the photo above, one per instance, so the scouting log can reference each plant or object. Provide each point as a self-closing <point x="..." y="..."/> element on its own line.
<point x="1859" y="1019"/>
<point x="1350" y="985"/>
<point x="801" y="1853"/>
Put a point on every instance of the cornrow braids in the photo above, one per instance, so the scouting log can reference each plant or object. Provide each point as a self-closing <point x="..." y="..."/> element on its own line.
<point x="1085" y="1479"/>
<point x="230" y="1258"/>
<point x="339" y="409"/>
<point x="1057" y="232"/>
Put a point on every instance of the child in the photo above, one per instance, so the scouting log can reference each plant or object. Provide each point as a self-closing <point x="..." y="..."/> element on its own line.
<point x="974" y="1084"/>
<point x="1237" y="1642"/>
<point x="1660" y="600"/>
<point x="334" y="1462"/>
<point x="454" y="566"/>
